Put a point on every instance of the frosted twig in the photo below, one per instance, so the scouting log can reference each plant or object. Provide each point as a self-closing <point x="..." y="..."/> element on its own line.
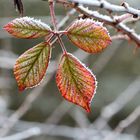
<point x="104" y="18"/>
<point x="110" y="7"/>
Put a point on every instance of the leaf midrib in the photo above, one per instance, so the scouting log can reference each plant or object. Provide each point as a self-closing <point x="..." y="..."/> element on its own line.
<point x="33" y="64"/>
<point x="88" y="36"/>
<point x="73" y="79"/>
<point x="41" y="30"/>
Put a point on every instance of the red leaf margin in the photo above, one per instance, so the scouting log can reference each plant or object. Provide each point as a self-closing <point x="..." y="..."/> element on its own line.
<point x="16" y="67"/>
<point x="61" y="89"/>
<point x="88" y="26"/>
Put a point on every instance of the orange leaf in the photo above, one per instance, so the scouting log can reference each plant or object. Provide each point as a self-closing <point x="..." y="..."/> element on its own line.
<point x="88" y="35"/>
<point x="76" y="83"/>
<point x="27" y="27"/>
<point x="31" y="66"/>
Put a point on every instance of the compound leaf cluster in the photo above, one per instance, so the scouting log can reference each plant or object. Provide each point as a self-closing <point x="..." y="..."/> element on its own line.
<point x="75" y="81"/>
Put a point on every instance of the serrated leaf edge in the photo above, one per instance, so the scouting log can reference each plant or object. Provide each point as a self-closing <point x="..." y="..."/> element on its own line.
<point x="95" y="82"/>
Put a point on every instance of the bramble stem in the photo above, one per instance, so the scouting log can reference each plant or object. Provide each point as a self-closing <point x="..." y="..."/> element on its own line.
<point x="62" y="44"/>
<point x="53" y="18"/>
<point x="51" y="5"/>
<point x="49" y="39"/>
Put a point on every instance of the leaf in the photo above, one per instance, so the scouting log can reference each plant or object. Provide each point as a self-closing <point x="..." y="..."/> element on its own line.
<point x="27" y="27"/>
<point x="88" y="35"/>
<point x="31" y="66"/>
<point x="76" y="83"/>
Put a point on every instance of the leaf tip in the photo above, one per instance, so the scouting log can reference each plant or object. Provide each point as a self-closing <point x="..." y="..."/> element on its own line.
<point x="21" y="88"/>
<point x="87" y="108"/>
<point x="80" y="88"/>
<point x="5" y="27"/>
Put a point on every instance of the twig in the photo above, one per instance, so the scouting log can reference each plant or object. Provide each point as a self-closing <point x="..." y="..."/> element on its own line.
<point x="53" y="17"/>
<point x="128" y="121"/>
<point x="120" y="36"/>
<point x="124" y="124"/>
<point x="22" y="109"/>
<point x="52" y="13"/>
<point x="80" y="118"/>
<point x="106" y="19"/>
<point x="30" y="129"/>
<point x="108" y="111"/>
<point x="35" y="131"/>
<point x="110" y="7"/>
<point x="59" y="112"/>
<point x="66" y="18"/>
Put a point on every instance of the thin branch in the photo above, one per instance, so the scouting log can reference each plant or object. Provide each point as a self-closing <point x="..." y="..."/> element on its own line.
<point x="59" y="112"/>
<point x="110" y="7"/>
<point x="80" y="118"/>
<point x="66" y="18"/>
<point x="104" y="18"/>
<point x="30" y="129"/>
<point x="61" y="44"/>
<point x="35" y="131"/>
<point x="128" y="120"/>
<point x="53" y="18"/>
<point x="11" y="121"/>
<point x="120" y="36"/>
<point x="110" y="110"/>
<point x="124" y="124"/>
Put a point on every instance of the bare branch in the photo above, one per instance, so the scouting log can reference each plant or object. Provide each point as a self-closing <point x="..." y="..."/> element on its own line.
<point x="11" y="121"/>
<point x="110" y="7"/>
<point x="108" y="111"/>
<point x="30" y="129"/>
<point x="124" y="124"/>
<point x="106" y="19"/>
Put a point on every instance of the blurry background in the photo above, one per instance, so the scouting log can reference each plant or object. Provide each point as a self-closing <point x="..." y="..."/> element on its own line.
<point x="44" y="112"/>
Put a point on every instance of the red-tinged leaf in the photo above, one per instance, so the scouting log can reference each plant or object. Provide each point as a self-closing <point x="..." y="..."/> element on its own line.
<point x="27" y="27"/>
<point x="76" y="83"/>
<point x="89" y="35"/>
<point x="31" y="66"/>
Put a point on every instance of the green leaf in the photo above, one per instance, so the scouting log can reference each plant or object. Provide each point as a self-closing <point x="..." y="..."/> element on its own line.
<point x="31" y="66"/>
<point x="88" y="35"/>
<point x="27" y="27"/>
<point x="76" y="83"/>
